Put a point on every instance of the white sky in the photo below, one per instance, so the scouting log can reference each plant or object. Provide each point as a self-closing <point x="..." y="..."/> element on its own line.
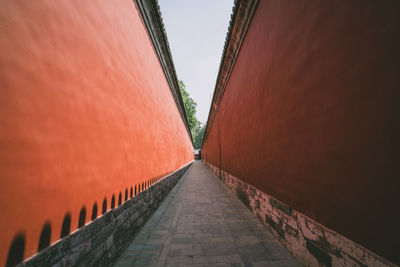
<point x="196" y="31"/>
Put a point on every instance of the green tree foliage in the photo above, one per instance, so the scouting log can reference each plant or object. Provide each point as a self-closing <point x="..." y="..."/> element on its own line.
<point x="190" y="107"/>
<point x="198" y="135"/>
<point x="196" y="127"/>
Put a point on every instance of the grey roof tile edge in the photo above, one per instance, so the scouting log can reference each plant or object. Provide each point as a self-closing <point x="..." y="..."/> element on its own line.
<point x="151" y="15"/>
<point x="242" y="14"/>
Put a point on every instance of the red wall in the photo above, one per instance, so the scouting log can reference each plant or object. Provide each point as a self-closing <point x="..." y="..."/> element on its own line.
<point x="310" y="115"/>
<point x="85" y="112"/>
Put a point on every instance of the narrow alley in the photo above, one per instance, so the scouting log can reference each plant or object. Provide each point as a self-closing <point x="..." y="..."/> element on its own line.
<point x="199" y="133"/>
<point x="201" y="223"/>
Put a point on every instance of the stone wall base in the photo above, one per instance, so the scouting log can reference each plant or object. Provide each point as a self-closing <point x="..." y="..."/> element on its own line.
<point x="101" y="241"/>
<point x="310" y="242"/>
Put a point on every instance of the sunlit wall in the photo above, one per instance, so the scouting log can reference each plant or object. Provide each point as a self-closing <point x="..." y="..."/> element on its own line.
<point x="85" y="113"/>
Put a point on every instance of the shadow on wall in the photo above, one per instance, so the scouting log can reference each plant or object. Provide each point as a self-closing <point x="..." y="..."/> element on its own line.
<point x="17" y="246"/>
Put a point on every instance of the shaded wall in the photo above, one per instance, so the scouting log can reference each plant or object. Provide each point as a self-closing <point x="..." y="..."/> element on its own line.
<point x="85" y="113"/>
<point x="310" y="115"/>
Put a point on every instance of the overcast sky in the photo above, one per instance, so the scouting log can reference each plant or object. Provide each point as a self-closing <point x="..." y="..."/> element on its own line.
<point x="196" y="33"/>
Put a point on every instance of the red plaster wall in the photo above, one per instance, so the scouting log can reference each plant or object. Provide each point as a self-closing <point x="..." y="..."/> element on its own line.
<point x="85" y="112"/>
<point x="310" y="115"/>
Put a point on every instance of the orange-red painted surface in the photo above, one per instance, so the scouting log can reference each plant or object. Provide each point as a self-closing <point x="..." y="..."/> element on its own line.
<point x="85" y="112"/>
<point x="311" y="115"/>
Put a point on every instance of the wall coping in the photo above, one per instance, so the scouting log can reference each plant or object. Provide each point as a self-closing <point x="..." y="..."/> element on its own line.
<point x="241" y="17"/>
<point x="151" y="14"/>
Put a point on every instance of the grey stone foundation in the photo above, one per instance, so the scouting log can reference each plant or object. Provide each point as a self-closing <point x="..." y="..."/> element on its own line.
<point x="310" y="242"/>
<point x="105" y="238"/>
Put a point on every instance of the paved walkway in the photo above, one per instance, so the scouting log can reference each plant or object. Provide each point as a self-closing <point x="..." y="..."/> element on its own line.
<point x="201" y="223"/>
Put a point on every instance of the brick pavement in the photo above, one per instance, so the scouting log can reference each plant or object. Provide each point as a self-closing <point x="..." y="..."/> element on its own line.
<point x="201" y="223"/>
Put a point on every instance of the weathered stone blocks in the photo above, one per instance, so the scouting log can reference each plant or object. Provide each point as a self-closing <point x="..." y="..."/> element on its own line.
<point x="310" y="242"/>
<point x="103" y="239"/>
